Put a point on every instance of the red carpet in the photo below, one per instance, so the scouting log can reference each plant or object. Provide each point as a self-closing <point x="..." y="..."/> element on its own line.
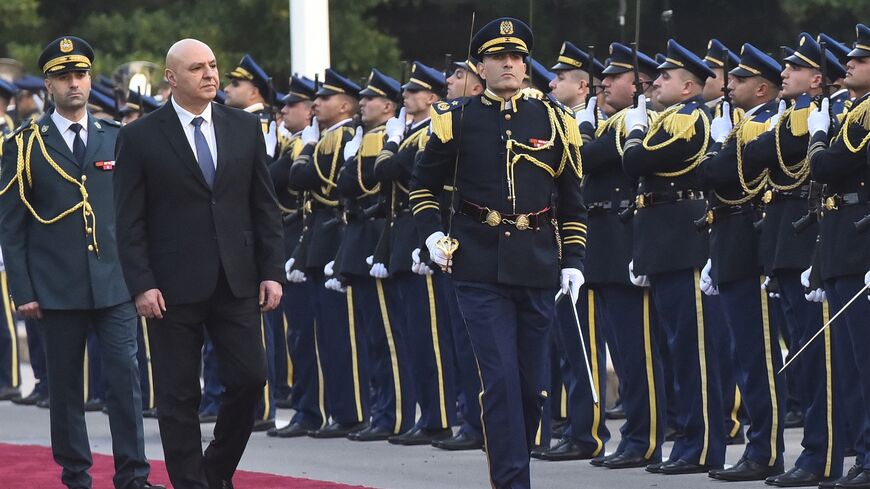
<point x="31" y="467"/>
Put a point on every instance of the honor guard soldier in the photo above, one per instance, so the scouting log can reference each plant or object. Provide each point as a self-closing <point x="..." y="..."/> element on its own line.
<point x="307" y="395"/>
<point x="715" y="59"/>
<point x="426" y="312"/>
<point x="57" y="179"/>
<point x="780" y="155"/>
<point x="842" y="99"/>
<point x="840" y="163"/>
<point x="464" y="81"/>
<point x="625" y="307"/>
<point x="341" y="348"/>
<point x="375" y="300"/>
<point x="585" y="432"/>
<point x="250" y="89"/>
<point x="518" y="230"/>
<point x="136" y="106"/>
<point x="669" y="250"/>
<point x="734" y="267"/>
<point x="10" y="374"/>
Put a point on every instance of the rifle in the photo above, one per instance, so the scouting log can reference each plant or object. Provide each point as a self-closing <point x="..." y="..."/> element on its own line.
<point x="814" y="196"/>
<point x="590" y="70"/>
<point x="726" y="90"/>
<point x="628" y="213"/>
<point x="448" y="64"/>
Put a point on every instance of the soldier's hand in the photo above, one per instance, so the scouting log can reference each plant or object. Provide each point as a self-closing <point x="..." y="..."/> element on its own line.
<point x="311" y="134"/>
<point x="706" y="282"/>
<point x="31" y="310"/>
<point x="395" y="127"/>
<point x="572" y="280"/>
<point x="722" y="125"/>
<point x="438" y="256"/>
<point x="589" y="114"/>
<point x="271" y="138"/>
<point x="417" y="266"/>
<point x="867" y="283"/>
<point x="774" y="119"/>
<point x="150" y="304"/>
<point x="639" y="280"/>
<point x="270" y="295"/>
<point x="820" y="120"/>
<point x="352" y="146"/>
<point x="636" y="117"/>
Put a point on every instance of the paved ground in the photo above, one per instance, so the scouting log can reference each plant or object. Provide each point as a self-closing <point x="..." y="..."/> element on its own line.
<point x="379" y="464"/>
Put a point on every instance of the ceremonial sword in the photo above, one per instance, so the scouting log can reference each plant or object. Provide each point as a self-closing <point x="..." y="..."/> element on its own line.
<point x="559" y="296"/>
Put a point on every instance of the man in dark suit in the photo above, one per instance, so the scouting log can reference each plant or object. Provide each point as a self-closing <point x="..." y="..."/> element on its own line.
<point x="201" y="246"/>
<point x="63" y="266"/>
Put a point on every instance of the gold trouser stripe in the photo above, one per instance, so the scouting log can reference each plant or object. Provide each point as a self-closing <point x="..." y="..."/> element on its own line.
<point x="287" y="351"/>
<point x="147" y="341"/>
<point x="771" y="376"/>
<point x="593" y="350"/>
<point x="826" y="312"/>
<point x="266" y="404"/>
<point x="394" y="358"/>
<point x="702" y="358"/>
<point x="734" y="410"/>
<point x="482" y="421"/>
<point x="540" y="429"/>
<point x="436" y="345"/>
<point x="650" y="377"/>
<point x="86" y="377"/>
<point x="563" y="409"/>
<point x="10" y="323"/>
<point x="351" y="320"/>
<point x="321" y="401"/>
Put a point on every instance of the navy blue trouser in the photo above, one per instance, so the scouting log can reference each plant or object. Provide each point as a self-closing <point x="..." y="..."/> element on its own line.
<point x="467" y="379"/>
<point x="758" y="360"/>
<point x="281" y="378"/>
<point x="732" y="398"/>
<point x="10" y="371"/>
<point x="634" y="349"/>
<point x="839" y="291"/>
<point x="379" y="317"/>
<point x="693" y="348"/>
<point x="586" y="423"/>
<point x="66" y="335"/>
<point x="430" y="342"/>
<point x="308" y="396"/>
<point x="94" y="389"/>
<point x="343" y="353"/>
<point x="509" y="328"/>
<point x="823" y="447"/>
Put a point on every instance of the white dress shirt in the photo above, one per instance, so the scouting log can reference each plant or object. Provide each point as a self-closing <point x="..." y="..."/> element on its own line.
<point x="62" y="124"/>
<point x="207" y="128"/>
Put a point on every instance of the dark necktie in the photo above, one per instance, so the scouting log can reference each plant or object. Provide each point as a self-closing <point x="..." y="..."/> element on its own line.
<point x="203" y="154"/>
<point x="78" y="144"/>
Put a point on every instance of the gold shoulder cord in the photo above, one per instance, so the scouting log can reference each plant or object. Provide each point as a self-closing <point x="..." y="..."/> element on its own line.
<point x="372" y="144"/>
<point x="752" y="188"/>
<point x="686" y="132"/>
<point x="332" y="141"/>
<point x="858" y="115"/>
<point x="799" y="171"/>
<point x="23" y="169"/>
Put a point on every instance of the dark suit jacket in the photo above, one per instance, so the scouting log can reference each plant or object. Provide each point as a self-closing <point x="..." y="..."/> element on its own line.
<point x="51" y="263"/>
<point x="176" y="234"/>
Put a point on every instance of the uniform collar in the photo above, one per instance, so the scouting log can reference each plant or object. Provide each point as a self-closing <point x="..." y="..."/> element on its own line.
<point x="62" y="123"/>
<point x="338" y="124"/>
<point x="256" y="107"/>
<point x="489" y="98"/>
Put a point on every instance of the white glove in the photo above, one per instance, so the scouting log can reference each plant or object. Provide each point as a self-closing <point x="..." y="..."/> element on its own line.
<point x="311" y="133"/>
<point x="377" y="270"/>
<point x="766" y="283"/>
<point x="296" y="277"/>
<point x="335" y="284"/>
<point x="721" y="126"/>
<point x="395" y="127"/>
<point x="352" y="146"/>
<point x="572" y="280"/>
<point x="820" y="120"/>
<point x="2" y="263"/>
<point x="288" y="266"/>
<point x="706" y="284"/>
<point x="437" y="256"/>
<point x="283" y="131"/>
<point x="271" y="138"/>
<point x="418" y="267"/>
<point x="327" y="270"/>
<point x="589" y="113"/>
<point x="636" y="117"/>
<point x="775" y="117"/>
<point x="867" y="282"/>
<point x="639" y="280"/>
<point x="815" y="295"/>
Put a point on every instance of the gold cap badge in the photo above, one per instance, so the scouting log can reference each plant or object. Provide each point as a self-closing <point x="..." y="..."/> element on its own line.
<point x="506" y="28"/>
<point x="66" y="45"/>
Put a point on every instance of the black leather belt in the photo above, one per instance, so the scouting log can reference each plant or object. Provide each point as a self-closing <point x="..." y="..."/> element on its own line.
<point x="597" y="208"/>
<point x="490" y="217"/>
<point x="647" y="199"/>
<point x="834" y="202"/>
<point x="797" y="194"/>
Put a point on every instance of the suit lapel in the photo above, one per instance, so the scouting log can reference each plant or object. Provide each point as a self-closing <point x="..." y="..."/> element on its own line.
<point x="171" y="126"/>
<point x="95" y="139"/>
<point x="52" y="138"/>
<point x="221" y="133"/>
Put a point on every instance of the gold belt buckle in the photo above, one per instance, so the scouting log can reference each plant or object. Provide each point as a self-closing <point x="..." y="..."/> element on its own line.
<point x="830" y="203"/>
<point x="710" y="217"/>
<point x="640" y="201"/>
<point x="522" y="222"/>
<point x="767" y="197"/>
<point x="493" y="218"/>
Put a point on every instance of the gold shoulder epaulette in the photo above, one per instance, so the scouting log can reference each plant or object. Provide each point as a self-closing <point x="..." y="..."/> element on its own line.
<point x="372" y="143"/>
<point x="442" y="118"/>
<point x="797" y="119"/>
<point x="679" y="124"/>
<point x="858" y="115"/>
<point x="749" y="130"/>
<point x="530" y="92"/>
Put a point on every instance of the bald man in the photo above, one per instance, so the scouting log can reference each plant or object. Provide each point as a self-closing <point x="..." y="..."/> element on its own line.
<point x="201" y="243"/>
